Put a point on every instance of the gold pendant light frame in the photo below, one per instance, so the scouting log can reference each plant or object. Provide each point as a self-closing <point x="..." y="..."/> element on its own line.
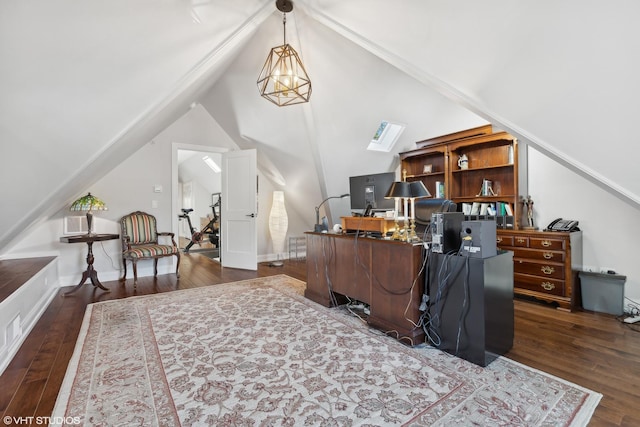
<point x="283" y="79"/>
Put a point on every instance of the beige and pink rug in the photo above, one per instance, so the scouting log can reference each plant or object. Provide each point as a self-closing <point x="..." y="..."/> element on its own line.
<point x="257" y="353"/>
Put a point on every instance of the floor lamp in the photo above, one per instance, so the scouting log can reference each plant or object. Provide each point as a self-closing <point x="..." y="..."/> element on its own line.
<point x="278" y="224"/>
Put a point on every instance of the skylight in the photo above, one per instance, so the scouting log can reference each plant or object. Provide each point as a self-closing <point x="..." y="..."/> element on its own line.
<point x="386" y="136"/>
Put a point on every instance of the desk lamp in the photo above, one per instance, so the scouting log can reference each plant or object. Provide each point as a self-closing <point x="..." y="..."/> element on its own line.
<point x="88" y="203"/>
<point x="318" y="227"/>
<point x="418" y="191"/>
<point x="399" y="190"/>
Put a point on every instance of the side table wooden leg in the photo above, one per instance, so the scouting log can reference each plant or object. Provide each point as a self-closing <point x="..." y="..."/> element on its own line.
<point x="90" y="273"/>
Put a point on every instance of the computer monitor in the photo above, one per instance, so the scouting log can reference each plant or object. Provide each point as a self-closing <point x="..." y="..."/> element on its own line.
<point x="365" y="190"/>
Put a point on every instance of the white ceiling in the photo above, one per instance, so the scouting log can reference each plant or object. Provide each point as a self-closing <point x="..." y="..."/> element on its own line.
<point x="83" y="85"/>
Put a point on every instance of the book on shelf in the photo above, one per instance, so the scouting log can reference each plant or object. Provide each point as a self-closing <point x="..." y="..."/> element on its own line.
<point x="504" y="208"/>
<point x="439" y="190"/>
<point x="508" y="210"/>
<point x="475" y="208"/>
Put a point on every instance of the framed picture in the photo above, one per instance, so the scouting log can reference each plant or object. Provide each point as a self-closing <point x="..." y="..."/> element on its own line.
<point x="427" y="169"/>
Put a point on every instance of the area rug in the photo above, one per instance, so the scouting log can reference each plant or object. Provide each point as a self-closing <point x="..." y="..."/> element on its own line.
<point x="257" y="353"/>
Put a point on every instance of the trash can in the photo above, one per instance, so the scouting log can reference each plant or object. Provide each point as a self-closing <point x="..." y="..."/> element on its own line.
<point x="602" y="292"/>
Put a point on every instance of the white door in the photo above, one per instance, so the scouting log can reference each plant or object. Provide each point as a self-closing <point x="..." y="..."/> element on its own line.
<point x="239" y="210"/>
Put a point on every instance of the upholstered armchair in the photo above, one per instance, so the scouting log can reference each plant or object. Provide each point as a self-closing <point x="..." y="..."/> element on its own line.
<point x="140" y="241"/>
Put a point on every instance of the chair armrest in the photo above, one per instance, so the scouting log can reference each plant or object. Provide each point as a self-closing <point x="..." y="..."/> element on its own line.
<point x="167" y="233"/>
<point x="126" y="242"/>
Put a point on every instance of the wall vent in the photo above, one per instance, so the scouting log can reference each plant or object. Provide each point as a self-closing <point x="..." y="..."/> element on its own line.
<point x="75" y="225"/>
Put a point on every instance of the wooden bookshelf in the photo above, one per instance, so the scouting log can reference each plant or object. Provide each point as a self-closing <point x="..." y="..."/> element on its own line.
<point x="492" y="157"/>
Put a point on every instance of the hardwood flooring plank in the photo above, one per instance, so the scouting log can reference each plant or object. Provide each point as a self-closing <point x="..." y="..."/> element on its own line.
<point x="25" y="399"/>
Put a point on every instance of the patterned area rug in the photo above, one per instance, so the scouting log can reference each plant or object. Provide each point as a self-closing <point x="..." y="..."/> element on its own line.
<point x="257" y="353"/>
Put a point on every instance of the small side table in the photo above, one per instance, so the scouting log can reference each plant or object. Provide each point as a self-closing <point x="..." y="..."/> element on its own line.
<point x="90" y="273"/>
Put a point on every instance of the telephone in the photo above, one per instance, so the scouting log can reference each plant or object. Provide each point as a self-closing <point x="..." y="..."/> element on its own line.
<point x="563" y="225"/>
<point x="368" y="211"/>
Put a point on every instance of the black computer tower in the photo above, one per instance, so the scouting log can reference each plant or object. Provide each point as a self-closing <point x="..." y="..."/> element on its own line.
<point x="471" y="305"/>
<point x="445" y="231"/>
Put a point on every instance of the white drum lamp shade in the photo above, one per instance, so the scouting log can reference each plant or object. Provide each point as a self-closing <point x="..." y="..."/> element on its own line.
<point x="278" y="222"/>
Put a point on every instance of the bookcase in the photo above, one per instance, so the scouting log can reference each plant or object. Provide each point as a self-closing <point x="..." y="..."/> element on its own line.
<point x="487" y="186"/>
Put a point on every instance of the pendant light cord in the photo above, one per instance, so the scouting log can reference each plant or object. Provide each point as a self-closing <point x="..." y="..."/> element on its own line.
<point x="284" y="27"/>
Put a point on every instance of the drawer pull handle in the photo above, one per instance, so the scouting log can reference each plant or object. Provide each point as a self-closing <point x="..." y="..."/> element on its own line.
<point x="521" y="240"/>
<point x="546" y="243"/>
<point x="547" y="270"/>
<point x="499" y="240"/>
<point x="547" y="255"/>
<point x="547" y="286"/>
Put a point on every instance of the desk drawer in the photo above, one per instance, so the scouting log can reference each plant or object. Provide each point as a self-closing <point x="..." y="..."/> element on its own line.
<point x="538" y="268"/>
<point x="540" y="284"/>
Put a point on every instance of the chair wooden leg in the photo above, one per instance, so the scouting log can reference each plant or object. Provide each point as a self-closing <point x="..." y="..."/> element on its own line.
<point x="178" y="265"/>
<point x="155" y="267"/>
<point x="124" y="264"/>
<point x="135" y="273"/>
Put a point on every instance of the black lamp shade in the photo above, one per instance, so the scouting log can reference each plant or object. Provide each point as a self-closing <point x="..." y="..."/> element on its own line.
<point x="418" y="190"/>
<point x="398" y="189"/>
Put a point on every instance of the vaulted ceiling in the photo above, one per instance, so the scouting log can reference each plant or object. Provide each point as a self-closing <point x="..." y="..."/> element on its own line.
<point x="83" y="85"/>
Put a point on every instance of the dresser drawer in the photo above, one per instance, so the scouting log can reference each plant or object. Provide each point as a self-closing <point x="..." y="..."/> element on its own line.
<point x="541" y="255"/>
<point x="504" y="241"/>
<point x="547" y="243"/>
<point x="539" y="284"/>
<point x="521" y="241"/>
<point x="542" y="263"/>
<point x="538" y="268"/>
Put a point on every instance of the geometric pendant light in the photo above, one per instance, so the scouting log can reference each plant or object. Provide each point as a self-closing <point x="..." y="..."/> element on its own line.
<point x="283" y="79"/>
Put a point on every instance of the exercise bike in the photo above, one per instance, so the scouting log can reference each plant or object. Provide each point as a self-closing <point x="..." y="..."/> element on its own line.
<point x="211" y="230"/>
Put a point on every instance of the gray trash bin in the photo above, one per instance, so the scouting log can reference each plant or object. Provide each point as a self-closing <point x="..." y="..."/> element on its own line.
<point x="602" y="292"/>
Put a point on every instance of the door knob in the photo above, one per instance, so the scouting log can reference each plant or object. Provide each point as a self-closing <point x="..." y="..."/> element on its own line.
<point x="252" y="215"/>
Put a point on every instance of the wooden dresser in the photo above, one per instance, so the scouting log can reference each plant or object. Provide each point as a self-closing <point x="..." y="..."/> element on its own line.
<point x="545" y="264"/>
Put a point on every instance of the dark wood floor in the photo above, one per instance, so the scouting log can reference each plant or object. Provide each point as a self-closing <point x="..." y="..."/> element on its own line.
<point x="593" y="350"/>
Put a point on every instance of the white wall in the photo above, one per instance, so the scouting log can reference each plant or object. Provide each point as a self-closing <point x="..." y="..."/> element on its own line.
<point x="130" y="187"/>
<point x="127" y="188"/>
<point x="607" y="223"/>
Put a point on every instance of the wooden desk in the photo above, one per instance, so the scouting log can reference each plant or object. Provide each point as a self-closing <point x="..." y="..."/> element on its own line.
<point x="89" y="273"/>
<point x="377" y="272"/>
